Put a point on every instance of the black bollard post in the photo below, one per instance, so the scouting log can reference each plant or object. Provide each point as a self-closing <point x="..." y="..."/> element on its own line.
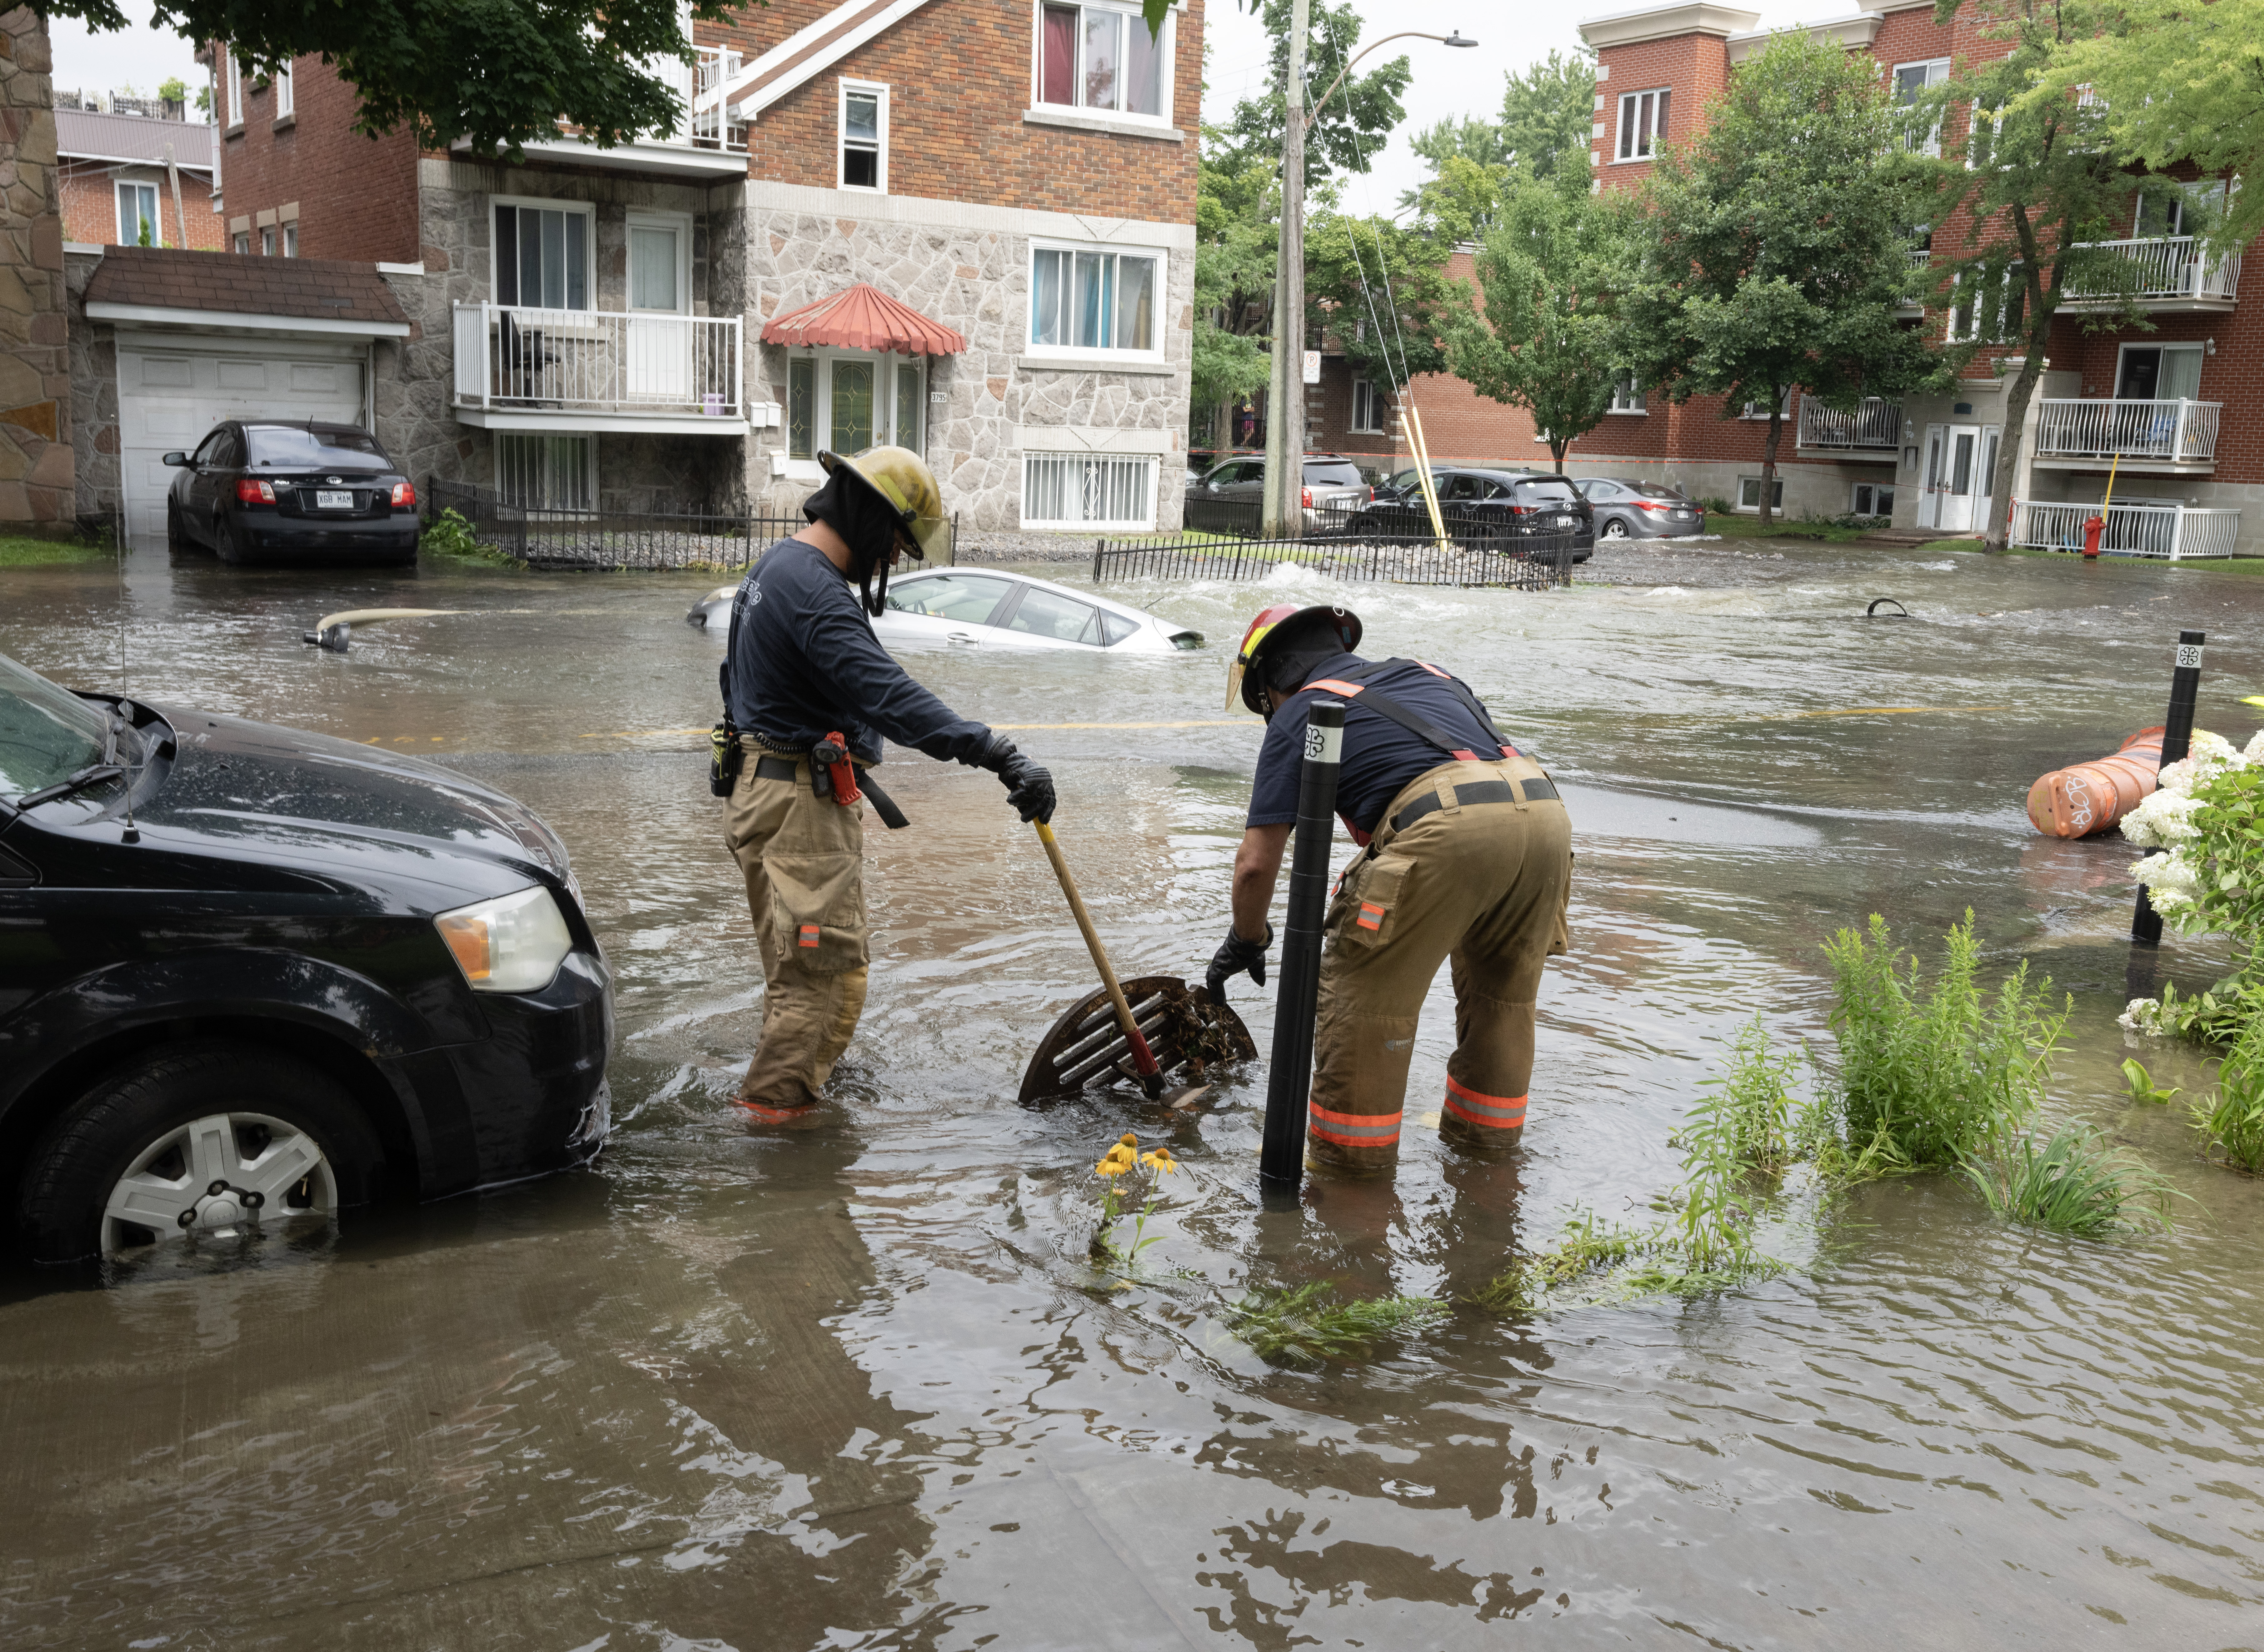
<point x="1282" y="1157"/>
<point x="2177" y="741"/>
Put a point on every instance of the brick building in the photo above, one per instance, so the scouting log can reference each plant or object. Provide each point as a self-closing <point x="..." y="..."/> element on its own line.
<point x="587" y="327"/>
<point x="115" y="178"/>
<point x="2182" y="400"/>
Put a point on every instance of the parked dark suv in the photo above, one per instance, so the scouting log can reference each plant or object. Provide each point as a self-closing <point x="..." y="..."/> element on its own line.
<point x="263" y="490"/>
<point x="1482" y="509"/>
<point x="250" y="975"/>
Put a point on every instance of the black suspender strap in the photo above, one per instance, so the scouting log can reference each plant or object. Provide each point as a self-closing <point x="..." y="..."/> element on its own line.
<point x="1353" y="683"/>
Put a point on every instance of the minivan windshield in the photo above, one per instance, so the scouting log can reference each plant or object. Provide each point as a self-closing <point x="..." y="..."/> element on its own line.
<point x="294" y="445"/>
<point x="47" y="734"/>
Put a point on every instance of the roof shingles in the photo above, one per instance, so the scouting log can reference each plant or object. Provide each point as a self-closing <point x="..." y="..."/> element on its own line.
<point x="234" y="283"/>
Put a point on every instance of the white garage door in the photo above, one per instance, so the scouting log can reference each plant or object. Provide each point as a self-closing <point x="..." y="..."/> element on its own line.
<point x="173" y="389"/>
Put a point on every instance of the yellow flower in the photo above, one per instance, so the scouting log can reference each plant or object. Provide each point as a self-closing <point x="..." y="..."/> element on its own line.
<point x="1112" y="1166"/>
<point x="1160" y="1160"/>
<point x="1128" y="1139"/>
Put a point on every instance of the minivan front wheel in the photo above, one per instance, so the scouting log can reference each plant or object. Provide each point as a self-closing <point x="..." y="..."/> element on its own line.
<point x="202" y="1141"/>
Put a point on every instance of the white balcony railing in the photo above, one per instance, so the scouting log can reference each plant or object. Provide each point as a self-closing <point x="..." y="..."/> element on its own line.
<point x="1920" y="257"/>
<point x="2181" y="433"/>
<point x="698" y="86"/>
<point x="2159" y="267"/>
<point x="2174" y="532"/>
<point x="597" y="361"/>
<point x="1877" y="423"/>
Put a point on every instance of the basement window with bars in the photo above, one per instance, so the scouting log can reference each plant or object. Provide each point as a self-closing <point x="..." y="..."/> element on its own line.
<point x="1088" y="491"/>
<point x="547" y="473"/>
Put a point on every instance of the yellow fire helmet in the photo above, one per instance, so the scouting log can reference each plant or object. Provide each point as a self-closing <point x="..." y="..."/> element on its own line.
<point x="902" y="477"/>
<point x="1270" y="626"/>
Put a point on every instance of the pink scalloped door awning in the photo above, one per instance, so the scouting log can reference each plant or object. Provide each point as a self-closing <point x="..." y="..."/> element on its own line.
<point x="863" y="317"/>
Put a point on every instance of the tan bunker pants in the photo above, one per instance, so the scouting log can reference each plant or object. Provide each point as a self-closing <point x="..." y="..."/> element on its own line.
<point x="1484" y="883"/>
<point x="803" y="858"/>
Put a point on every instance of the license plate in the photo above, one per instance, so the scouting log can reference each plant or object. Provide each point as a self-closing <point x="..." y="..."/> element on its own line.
<point x="1681" y="516"/>
<point x="1564" y="522"/>
<point x="326" y="499"/>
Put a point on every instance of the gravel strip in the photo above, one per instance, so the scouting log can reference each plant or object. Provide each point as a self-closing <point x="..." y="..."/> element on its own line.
<point x="981" y="546"/>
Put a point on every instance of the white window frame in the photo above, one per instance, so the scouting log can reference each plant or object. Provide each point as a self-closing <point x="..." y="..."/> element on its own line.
<point x="1759" y="410"/>
<point x="1145" y="523"/>
<point x="2164" y="345"/>
<point x="885" y="364"/>
<point x="1167" y="43"/>
<point x="1854" y="507"/>
<point x="515" y="438"/>
<point x="1972" y="333"/>
<point x="286" y="109"/>
<point x="1374" y="424"/>
<point x="267" y="242"/>
<point x="1776" y="504"/>
<point x="243" y="244"/>
<point x="1627" y="401"/>
<point x="291" y="240"/>
<point x="646" y="218"/>
<point x="548" y="204"/>
<point x="235" y="87"/>
<point x="156" y="217"/>
<point x="1631" y="111"/>
<point x="1937" y="70"/>
<point x="866" y="88"/>
<point x="1087" y="352"/>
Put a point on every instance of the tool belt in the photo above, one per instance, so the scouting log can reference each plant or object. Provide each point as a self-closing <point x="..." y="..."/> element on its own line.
<point x="771" y="767"/>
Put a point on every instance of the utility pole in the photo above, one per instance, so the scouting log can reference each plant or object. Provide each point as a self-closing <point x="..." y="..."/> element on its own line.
<point x="1285" y="397"/>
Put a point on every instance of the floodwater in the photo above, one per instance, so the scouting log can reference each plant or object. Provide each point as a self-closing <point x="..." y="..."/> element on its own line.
<point x="858" y="1386"/>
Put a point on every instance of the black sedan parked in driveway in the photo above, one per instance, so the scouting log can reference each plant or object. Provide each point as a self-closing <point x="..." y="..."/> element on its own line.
<point x="1486" y="510"/>
<point x="250" y="976"/>
<point x="1629" y="508"/>
<point x="260" y="491"/>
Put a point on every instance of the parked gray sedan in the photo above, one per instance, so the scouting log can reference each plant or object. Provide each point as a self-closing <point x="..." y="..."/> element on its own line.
<point x="1629" y="508"/>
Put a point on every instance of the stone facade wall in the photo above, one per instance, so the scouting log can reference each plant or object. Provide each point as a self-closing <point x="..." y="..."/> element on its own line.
<point x="968" y="268"/>
<point x="37" y="480"/>
<point x="415" y="383"/>
<point x="94" y="394"/>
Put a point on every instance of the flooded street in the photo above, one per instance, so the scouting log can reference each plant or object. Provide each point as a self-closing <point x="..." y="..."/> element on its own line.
<point x="858" y="1385"/>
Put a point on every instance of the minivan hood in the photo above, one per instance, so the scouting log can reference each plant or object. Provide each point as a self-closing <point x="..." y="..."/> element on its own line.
<point x="231" y="778"/>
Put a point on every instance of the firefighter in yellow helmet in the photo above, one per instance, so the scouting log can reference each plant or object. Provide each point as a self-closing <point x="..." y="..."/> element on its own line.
<point x="1466" y="852"/>
<point x="808" y="694"/>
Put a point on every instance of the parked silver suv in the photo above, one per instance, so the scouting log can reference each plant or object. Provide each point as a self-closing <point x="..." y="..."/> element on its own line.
<point x="1332" y="486"/>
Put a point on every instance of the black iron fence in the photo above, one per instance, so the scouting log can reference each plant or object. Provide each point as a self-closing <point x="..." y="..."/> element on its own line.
<point x="1530" y="562"/>
<point x="1242" y="519"/>
<point x="616" y="538"/>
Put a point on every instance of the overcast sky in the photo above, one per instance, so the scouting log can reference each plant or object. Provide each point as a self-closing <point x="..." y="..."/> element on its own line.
<point x="1447" y="81"/>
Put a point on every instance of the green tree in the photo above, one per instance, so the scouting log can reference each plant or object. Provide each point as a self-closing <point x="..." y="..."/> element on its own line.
<point x="174" y="89"/>
<point x="1237" y="232"/>
<point x="2171" y="81"/>
<point x="1776" y="245"/>
<point x="1547" y="113"/>
<point x="1381" y="292"/>
<point x="498" y="73"/>
<point x="2040" y="184"/>
<point x="1360" y="119"/>
<point x="1548" y="339"/>
<point x="1468" y="166"/>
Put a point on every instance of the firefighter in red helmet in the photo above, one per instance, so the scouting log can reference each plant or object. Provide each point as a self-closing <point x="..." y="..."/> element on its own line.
<point x="1466" y="852"/>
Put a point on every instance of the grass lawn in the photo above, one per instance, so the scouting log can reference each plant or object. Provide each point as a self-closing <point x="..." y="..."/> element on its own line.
<point x="28" y="553"/>
<point x="1731" y="525"/>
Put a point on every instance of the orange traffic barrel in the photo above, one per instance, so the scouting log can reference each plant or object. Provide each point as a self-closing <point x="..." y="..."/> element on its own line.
<point x="2086" y="798"/>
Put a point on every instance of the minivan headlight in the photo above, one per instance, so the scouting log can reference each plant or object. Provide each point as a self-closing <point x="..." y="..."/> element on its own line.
<point x="512" y="944"/>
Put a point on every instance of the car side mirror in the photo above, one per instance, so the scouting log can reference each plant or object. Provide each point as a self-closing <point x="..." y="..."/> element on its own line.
<point x="177" y="459"/>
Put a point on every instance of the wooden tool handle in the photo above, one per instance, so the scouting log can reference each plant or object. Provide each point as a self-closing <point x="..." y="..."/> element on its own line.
<point x="1141" y="1057"/>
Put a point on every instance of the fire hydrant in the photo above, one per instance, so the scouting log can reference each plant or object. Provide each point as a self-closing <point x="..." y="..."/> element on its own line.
<point x="2092" y="528"/>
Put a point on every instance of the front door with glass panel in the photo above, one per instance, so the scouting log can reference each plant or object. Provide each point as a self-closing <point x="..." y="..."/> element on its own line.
<point x="1984" y="478"/>
<point x="846" y="403"/>
<point x="660" y="332"/>
<point x="1953" y="463"/>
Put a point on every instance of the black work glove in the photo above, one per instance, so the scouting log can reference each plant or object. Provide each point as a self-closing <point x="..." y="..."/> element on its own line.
<point x="1029" y="788"/>
<point x="1234" y="956"/>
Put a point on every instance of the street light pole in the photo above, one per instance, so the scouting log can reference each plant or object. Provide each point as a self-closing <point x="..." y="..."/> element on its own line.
<point x="1285" y="396"/>
<point x="1285" y="400"/>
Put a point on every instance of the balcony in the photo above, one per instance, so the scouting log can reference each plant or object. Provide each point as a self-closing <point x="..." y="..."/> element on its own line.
<point x="2172" y="532"/>
<point x="2160" y="438"/>
<point x="1873" y="430"/>
<point x="706" y="143"/>
<point x="2160" y="273"/>
<point x="523" y="369"/>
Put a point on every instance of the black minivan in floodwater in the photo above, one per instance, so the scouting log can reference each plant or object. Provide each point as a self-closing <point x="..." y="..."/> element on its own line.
<point x="260" y="491"/>
<point x="250" y="976"/>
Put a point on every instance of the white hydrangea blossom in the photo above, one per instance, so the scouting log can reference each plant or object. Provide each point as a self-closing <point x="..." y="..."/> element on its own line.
<point x="2161" y="820"/>
<point x="2142" y="1015"/>
<point x="2207" y="756"/>
<point x="2253" y="753"/>
<point x="2172" y="880"/>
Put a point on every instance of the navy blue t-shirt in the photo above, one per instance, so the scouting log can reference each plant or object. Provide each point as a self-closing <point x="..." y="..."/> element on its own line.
<point x="1380" y="756"/>
<point x="805" y="662"/>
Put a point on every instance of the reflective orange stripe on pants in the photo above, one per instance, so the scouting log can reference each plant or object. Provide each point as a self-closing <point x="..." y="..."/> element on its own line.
<point x="1495" y="1113"/>
<point x="1353" y="1129"/>
<point x="763" y="1114"/>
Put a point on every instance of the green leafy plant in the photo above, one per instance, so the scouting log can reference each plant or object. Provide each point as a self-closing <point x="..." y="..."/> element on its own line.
<point x="450" y="534"/>
<point x="2232" y="1118"/>
<point x="2073" y="1183"/>
<point x="1308" y="1326"/>
<point x="1932" y="1073"/>
<point x="1120" y="1168"/>
<point x="2207" y="815"/>
<point x="2141" y="1085"/>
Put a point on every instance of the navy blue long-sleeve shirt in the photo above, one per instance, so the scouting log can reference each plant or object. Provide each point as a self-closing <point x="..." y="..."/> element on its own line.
<point x="804" y="663"/>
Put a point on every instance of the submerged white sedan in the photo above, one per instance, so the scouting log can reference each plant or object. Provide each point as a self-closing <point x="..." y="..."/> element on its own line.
<point x="989" y="608"/>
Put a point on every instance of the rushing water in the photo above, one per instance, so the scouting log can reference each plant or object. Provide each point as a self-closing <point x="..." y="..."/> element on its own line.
<point x="857" y="1386"/>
